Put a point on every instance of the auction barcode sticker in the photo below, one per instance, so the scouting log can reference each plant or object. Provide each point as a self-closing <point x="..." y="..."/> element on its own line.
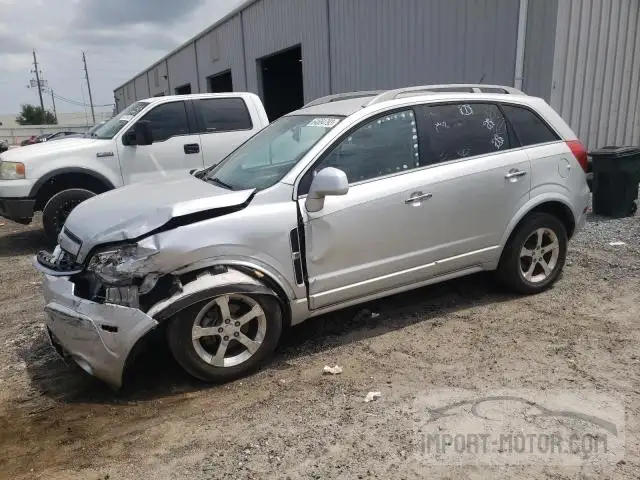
<point x="326" y="122"/>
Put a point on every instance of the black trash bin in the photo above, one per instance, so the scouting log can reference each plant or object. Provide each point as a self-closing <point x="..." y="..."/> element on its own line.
<point x="616" y="174"/>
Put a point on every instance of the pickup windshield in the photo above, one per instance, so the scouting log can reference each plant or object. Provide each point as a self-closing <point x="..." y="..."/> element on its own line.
<point x="268" y="156"/>
<point x="109" y="129"/>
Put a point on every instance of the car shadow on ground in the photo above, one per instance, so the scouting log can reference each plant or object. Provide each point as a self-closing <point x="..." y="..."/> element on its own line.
<point x="156" y="375"/>
<point x="22" y="242"/>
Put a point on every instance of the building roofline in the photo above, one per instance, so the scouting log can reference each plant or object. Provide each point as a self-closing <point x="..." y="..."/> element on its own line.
<point x="233" y="13"/>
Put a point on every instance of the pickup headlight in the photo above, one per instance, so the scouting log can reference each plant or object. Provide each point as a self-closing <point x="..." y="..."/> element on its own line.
<point x="118" y="266"/>
<point x="11" y="170"/>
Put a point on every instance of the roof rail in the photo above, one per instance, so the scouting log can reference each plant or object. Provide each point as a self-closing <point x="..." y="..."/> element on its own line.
<point x="342" y="96"/>
<point x="451" y="87"/>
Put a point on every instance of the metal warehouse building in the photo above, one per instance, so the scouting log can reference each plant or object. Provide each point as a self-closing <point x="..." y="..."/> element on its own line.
<point x="582" y="56"/>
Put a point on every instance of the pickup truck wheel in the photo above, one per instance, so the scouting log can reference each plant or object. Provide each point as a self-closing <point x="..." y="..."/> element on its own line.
<point x="225" y="337"/>
<point x="58" y="208"/>
<point x="535" y="255"/>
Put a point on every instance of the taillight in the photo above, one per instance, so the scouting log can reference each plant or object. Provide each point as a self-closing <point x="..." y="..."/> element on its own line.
<point x="580" y="153"/>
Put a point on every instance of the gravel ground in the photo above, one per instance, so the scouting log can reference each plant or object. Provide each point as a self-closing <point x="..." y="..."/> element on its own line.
<point x="289" y="420"/>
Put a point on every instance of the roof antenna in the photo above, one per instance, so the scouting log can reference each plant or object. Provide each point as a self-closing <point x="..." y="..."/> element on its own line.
<point x="482" y="77"/>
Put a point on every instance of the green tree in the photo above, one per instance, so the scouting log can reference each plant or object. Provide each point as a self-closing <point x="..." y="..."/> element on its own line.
<point x="32" y="115"/>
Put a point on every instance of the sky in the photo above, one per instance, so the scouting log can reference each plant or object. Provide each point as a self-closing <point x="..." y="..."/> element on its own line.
<point x="120" y="38"/>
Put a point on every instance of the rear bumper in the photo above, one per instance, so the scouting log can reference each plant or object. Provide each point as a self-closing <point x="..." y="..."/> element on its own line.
<point x="98" y="337"/>
<point x="17" y="209"/>
<point x="582" y="203"/>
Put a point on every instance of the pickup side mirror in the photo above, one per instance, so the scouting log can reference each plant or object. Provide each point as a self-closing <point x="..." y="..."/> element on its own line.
<point x="139" y="134"/>
<point x="327" y="182"/>
<point x="143" y="133"/>
<point x="129" y="137"/>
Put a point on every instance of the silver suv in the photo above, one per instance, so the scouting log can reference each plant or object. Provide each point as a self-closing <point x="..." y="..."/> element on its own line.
<point x="351" y="198"/>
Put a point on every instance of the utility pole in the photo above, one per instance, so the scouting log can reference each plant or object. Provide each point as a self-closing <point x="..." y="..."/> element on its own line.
<point x="86" y="73"/>
<point x="53" y="100"/>
<point x="37" y="72"/>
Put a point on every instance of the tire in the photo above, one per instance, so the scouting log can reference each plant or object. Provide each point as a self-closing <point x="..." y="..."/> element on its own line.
<point x="515" y="268"/>
<point x="190" y="354"/>
<point x="58" y="208"/>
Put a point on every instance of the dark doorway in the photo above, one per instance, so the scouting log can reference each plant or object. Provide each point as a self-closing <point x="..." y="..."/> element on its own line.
<point x="282" y="82"/>
<point x="184" y="89"/>
<point x="221" y="82"/>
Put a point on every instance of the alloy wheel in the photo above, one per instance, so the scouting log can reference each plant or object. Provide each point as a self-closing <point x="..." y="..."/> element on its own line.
<point x="539" y="255"/>
<point x="229" y="330"/>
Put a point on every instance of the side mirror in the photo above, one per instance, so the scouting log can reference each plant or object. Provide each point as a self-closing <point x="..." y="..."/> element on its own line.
<point x="143" y="133"/>
<point x="139" y="134"/>
<point x="129" y="138"/>
<point x="327" y="182"/>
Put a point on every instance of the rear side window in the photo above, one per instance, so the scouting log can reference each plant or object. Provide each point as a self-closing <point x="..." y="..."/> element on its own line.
<point x="464" y="130"/>
<point x="224" y="114"/>
<point x="528" y="126"/>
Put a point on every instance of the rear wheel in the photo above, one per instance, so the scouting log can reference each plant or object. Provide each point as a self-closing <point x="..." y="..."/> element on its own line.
<point x="535" y="255"/>
<point x="58" y="208"/>
<point x="225" y="337"/>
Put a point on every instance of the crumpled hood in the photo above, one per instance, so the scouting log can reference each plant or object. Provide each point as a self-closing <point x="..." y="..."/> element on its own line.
<point x="55" y="148"/>
<point x="135" y="210"/>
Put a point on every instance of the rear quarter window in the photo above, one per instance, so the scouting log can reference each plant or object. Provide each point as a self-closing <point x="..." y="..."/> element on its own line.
<point x="224" y="114"/>
<point x="528" y="126"/>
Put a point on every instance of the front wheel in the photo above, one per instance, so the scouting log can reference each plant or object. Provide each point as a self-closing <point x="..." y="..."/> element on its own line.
<point x="535" y="255"/>
<point x="58" y="208"/>
<point x="225" y="337"/>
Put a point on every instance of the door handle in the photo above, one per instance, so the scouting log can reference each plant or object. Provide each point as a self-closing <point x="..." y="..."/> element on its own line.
<point x="417" y="197"/>
<point x="190" y="148"/>
<point x="515" y="174"/>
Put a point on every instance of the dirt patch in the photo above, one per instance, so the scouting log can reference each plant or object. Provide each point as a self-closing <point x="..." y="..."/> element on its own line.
<point x="289" y="420"/>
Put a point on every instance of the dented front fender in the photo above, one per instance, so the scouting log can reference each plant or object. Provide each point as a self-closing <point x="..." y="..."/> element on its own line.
<point x="208" y="285"/>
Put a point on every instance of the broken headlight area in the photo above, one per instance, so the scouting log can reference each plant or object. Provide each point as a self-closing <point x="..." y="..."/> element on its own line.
<point x="117" y="275"/>
<point x="120" y="266"/>
<point x="143" y="293"/>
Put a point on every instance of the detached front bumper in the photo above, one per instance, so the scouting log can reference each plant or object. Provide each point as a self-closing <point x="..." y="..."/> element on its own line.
<point x="98" y="337"/>
<point x="19" y="210"/>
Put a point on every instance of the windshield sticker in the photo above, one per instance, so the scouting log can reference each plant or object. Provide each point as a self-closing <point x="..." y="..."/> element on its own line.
<point x="126" y="118"/>
<point x="323" y="122"/>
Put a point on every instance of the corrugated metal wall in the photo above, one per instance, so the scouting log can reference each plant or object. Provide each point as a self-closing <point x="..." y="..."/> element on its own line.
<point x="221" y="50"/>
<point x="157" y="81"/>
<point x="274" y="25"/>
<point x="540" y="47"/>
<point x="141" y="86"/>
<point x="374" y="44"/>
<point x="182" y="69"/>
<point x="595" y="84"/>
<point x="393" y="43"/>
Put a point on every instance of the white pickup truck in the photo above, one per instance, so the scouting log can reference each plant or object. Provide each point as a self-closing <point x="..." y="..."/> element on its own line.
<point x="150" y="139"/>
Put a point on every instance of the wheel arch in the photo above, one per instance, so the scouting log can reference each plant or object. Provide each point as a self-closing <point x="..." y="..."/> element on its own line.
<point x="66" y="178"/>
<point x="557" y="206"/>
<point x="207" y="283"/>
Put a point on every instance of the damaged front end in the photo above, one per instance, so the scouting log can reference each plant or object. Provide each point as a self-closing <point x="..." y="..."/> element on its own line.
<point x="100" y="310"/>
<point x="97" y="310"/>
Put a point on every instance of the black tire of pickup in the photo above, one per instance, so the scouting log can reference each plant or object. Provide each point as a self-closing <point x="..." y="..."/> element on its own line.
<point x="58" y="208"/>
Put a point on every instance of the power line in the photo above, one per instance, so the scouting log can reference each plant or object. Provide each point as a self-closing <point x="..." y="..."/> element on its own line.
<point x="79" y="103"/>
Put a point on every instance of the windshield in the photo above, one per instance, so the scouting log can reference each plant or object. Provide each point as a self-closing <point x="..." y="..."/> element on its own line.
<point x="269" y="155"/>
<point x="93" y="129"/>
<point x="113" y="126"/>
